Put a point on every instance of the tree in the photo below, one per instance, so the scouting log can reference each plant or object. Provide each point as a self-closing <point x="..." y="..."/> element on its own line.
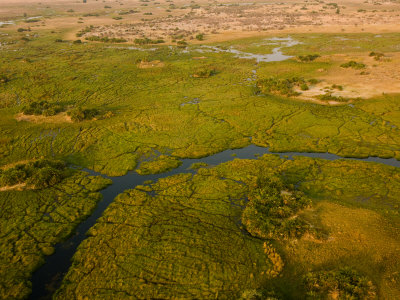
<point x="200" y="37"/>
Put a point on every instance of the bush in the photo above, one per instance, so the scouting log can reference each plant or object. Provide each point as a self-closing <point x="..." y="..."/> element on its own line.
<point x="39" y="174"/>
<point x="308" y="58"/>
<point x="271" y="211"/>
<point x="78" y="114"/>
<point x="354" y="65"/>
<point x="338" y="87"/>
<point x="45" y="177"/>
<point x="105" y="39"/>
<point x="205" y="72"/>
<point x="146" y="41"/>
<point x="280" y="86"/>
<point x="181" y="44"/>
<point x="12" y="176"/>
<point x="345" y="283"/>
<point x="42" y="108"/>
<point x="330" y="97"/>
<point x="200" y="37"/>
<point x="4" y="79"/>
<point x="304" y="87"/>
<point x="376" y="55"/>
<point x="85" y="30"/>
<point x="32" y="20"/>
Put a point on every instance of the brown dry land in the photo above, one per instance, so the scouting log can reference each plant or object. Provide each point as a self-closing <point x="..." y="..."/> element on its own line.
<point x="379" y="77"/>
<point x="59" y="118"/>
<point x="150" y="64"/>
<point x="220" y="21"/>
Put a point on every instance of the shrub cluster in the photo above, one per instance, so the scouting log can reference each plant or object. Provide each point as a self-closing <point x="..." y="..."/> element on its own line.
<point x="271" y="211"/>
<point x="146" y="41"/>
<point x="354" y="65"/>
<point x="281" y="86"/>
<point x="79" y="114"/>
<point x="205" y="72"/>
<point x="275" y="259"/>
<point x="308" y="58"/>
<point x="345" y="283"/>
<point x="4" y="79"/>
<point x="329" y="97"/>
<point x="181" y="44"/>
<point x="32" y="20"/>
<point x="376" y="55"/>
<point x="128" y="12"/>
<point x="200" y="37"/>
<point x="42" y="108"/>
<point x="105" y="39"/>
<point x="85" y="30"/>
<point x="39" y="174"/>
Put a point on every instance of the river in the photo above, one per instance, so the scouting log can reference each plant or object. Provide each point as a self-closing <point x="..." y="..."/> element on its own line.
<point x="49" y="276"/>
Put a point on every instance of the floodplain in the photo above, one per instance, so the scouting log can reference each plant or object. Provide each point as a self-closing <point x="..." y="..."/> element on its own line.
<point x="209" y="149"/>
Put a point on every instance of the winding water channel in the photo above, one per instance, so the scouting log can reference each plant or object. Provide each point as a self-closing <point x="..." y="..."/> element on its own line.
<point x="48" y="277"/>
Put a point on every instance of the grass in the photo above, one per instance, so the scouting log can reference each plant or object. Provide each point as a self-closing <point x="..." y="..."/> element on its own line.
<point x="162" y="164"/>
<point x="32" y="222"/>
<point x="228" y="112"/>
<point x="180" y="236"/>
<point x="182" y="242"/>
<point x="183" y="235"/>
<point x="344" y="43"/>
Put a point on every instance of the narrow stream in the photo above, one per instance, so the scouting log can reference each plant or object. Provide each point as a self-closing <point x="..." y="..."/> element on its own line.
<point x="275" y="56"/>
<point x="48" y="277"/>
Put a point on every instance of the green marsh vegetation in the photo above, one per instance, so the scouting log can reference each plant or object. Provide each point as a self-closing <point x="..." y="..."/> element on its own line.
<point x="105" y="39"/>
<point x="227" y="115"/>
<point x="42" y="108"/>
<point x="161" y="164"/>
<point x="343" y="43"/>
<point x="36" y="175"/>
<point x="273" y="217"/>
<point x="282" y="87"/>
<point x="344" y="283"/>
<point x="181" y="242"/>
<point x="308" y="57"/>
<point x="271" y="211"/>
<point x="193" y="231"/>
<point x="34" y="219"/>
<point x="147" y="41"/>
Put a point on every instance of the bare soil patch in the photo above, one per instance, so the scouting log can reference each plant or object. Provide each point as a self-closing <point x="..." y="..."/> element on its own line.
<point x="59" y="118"/>
<point x="222" y="20"/>
<point x="150" y="64"/>
<point x="18" y="186"/>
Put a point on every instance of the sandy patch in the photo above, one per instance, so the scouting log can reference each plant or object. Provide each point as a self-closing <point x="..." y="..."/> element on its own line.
<point x="21" y="162"/>
<point x="150" y="64"/>
<point x="59" y="118"/>
<point x="379" y="77"/>
<point x="18" y="187"/>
